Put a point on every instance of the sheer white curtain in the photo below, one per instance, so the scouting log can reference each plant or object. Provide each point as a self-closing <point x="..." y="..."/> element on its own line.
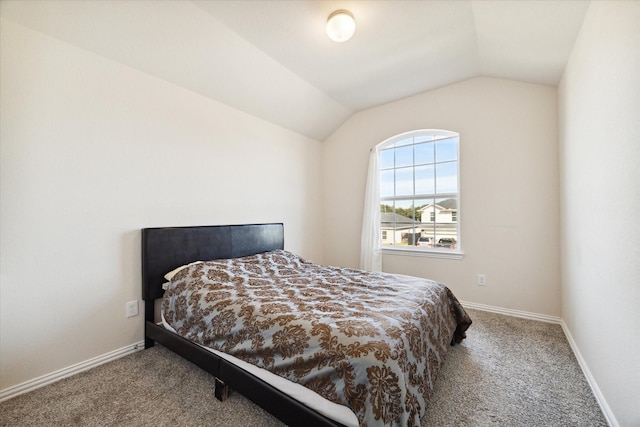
<point x="370" y="251"/>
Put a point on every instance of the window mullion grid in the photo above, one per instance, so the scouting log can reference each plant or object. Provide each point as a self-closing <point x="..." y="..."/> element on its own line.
<point x="394" y="199"/>
<point x="431" y="197"/>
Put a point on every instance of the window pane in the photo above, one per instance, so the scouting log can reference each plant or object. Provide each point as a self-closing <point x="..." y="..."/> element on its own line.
<point x="445" y="208"/>
<point x="404" y="156"/>
<point x="425" y="183"/>
<point x="420" y="205"/>
<point x="404" y="208"/>
<point x="386" y="159"/>
<point x="446" y="150"/>
<point x="404" y="182"/>
<point x="405" y="141"/>
<point x="427" y="211"/>
<point x="424" y="153"/>
<point x="386" y="183"/>
<point x="387" y="223"/>
<point x="405" y="225"/>
<point x="447" y="178"/>
<point x="424" y="210"/>
<point x="446" y="229"/>
<point x="392" y="234"/>
<point x="386" y="207"/>
<point x="427" y="237"/>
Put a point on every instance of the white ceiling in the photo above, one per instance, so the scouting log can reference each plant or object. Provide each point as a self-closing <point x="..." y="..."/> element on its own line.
<point x="273" y="59"/>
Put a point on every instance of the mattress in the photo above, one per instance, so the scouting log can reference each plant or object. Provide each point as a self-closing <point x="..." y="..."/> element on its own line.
<point x="372" y="342"/>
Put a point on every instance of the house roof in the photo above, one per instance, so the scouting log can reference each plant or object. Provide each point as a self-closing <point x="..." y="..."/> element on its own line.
<point x="394" y="218"/>
<point x="447" y="204"/>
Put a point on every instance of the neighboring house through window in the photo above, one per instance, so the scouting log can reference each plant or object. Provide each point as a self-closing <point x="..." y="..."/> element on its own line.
<point x="419" y="191"/>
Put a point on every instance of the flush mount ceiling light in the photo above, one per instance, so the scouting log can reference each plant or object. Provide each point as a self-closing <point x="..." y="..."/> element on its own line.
<point x="341" y="26"/>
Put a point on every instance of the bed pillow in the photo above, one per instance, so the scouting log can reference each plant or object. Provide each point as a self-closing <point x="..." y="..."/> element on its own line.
<point x="173" y="272"/>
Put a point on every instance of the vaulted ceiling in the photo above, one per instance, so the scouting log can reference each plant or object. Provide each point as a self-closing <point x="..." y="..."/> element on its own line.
<point x="272" y="59"/>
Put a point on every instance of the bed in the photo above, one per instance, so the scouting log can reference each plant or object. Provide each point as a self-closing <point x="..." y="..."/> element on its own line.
<point x="249" y="247"/>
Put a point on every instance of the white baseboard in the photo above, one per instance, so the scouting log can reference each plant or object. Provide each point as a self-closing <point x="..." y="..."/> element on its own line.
<point x="47" y="379"/>
<point x="604" y="406"/>
<point x="511" y="312"/>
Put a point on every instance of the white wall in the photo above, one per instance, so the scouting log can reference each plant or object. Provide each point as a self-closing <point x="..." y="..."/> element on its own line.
<point x="509" y="189"/>
<point x="599" y="107"/>
<point x="91" y="151"/>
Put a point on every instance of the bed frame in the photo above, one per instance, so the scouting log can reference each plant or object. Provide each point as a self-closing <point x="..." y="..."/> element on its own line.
<point x="164" y="249"/>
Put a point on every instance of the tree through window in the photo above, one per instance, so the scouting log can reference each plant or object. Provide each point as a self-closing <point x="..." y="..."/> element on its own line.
<point x="419" y="190"/>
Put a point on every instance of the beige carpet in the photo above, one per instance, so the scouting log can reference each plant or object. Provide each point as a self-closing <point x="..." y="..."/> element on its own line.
<point x="508" y="372"/>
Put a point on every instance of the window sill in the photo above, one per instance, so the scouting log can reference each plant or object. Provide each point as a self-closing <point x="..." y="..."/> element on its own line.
<point x="432" y="253"/>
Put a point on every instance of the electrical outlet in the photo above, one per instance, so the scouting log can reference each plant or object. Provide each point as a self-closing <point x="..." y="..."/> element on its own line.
<point x="482" y="279"/>
<point x="132" y="308"/>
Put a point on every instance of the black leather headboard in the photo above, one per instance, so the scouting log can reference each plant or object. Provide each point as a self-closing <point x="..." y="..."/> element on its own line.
<point x="164" y="249"/>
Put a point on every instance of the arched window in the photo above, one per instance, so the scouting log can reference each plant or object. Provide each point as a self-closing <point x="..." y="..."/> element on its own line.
<point x="419" y="191"/>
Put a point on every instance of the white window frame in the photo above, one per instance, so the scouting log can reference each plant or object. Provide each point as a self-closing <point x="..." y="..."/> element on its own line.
<point x="435" y="135"/>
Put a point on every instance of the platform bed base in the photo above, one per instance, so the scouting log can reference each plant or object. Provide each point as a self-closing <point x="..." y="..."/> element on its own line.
<point x="164" y="249"/>
<point x="229" y="376"/>
<point x="222" y="390"/>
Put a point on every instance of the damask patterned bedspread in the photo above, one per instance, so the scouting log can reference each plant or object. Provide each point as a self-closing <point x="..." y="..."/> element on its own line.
<point x="371" y="341"/>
